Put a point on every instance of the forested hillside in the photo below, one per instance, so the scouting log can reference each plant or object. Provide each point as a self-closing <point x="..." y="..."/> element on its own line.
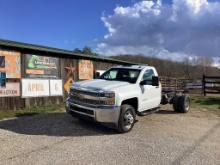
<point x="190" y="69"/>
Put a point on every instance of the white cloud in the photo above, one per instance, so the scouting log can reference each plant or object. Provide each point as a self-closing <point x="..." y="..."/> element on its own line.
<point x="185" y="28"/>
<point x="216" y="62"/>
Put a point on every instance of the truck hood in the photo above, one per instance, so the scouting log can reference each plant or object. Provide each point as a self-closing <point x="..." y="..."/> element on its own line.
<point x="99" y="84"/>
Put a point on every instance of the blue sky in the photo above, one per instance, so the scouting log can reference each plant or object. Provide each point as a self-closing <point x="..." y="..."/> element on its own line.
<point x="185" y="29"/>
<point x="66" y="25"/>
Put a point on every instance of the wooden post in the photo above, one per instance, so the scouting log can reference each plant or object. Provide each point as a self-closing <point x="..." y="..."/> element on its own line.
<point x="204" y="85"/>
<point x="27" y="103"/>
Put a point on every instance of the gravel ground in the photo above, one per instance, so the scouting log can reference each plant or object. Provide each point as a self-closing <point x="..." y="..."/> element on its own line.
<point x="161" y="138"/>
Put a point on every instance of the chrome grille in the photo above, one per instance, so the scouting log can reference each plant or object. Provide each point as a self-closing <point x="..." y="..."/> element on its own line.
<point x="85" y="96"/>
<point x="96" y="94"/>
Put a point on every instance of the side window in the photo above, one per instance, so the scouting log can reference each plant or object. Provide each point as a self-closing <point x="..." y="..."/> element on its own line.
<point x="148" y="76"/>
<point x="111" y="75"/>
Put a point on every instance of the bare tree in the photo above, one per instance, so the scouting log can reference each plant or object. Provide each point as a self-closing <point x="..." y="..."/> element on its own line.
<point x="77" y="50"/>
<point x="206" y="63"/>
<point x="187" y="67"/>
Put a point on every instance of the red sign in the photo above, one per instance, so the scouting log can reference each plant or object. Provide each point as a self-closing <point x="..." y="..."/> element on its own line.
<point x="85" y="70"/>
<point x="10" y="63"/>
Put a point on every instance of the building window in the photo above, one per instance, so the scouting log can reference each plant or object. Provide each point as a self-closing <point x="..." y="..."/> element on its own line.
<point x="2" y="79"/>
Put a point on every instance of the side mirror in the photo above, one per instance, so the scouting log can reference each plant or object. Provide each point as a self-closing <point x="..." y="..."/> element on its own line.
<point x="97" y="75"/>
<point x="155" y="81"/>
<point x="143" y="82"/>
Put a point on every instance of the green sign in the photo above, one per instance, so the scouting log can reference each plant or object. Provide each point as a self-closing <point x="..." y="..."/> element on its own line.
<point x="41" y="66"/>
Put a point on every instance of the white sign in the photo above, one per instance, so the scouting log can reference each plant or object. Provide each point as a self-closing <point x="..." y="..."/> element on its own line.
<point x="56" y="87"/>
<point x="35" y="88"/>
<point x="12" y="89"/>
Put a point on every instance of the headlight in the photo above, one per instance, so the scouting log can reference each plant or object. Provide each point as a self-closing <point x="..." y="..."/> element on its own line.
<point x="108" y="101"/>
<point x="109" y="94"/>
<point x="107" y="98"/>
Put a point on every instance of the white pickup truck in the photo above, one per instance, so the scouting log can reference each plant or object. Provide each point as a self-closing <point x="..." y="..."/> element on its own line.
<point x="121" y="93"/>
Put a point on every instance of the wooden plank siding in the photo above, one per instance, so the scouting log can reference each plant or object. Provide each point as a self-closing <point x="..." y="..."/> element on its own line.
<point x="211" y="85"/>
<point x="13" y="103"/>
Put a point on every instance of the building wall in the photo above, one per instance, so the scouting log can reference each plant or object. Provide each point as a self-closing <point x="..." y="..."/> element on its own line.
<point x="68" y="69"/>
<point x="103" y="65"/>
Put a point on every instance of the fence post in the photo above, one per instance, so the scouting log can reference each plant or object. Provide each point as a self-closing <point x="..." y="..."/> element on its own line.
<point x="203" y="85"/>
<point x="176" y="87"/>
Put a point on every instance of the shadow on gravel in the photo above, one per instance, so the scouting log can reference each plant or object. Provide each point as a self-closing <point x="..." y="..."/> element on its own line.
<point x="54" y="124"/>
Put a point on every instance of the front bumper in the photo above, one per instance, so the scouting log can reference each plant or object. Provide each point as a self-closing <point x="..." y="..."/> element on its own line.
<point x="102" y="114"/>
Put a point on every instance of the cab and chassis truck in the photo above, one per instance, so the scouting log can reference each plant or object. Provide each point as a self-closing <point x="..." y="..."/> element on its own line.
<point x="118" y="95"/>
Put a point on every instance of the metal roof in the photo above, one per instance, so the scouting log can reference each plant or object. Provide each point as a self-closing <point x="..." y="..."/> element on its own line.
<point x="42" y="49"/>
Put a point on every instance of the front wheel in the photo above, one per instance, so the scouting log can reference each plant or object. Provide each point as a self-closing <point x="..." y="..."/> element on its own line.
<point x="126" y="119"/>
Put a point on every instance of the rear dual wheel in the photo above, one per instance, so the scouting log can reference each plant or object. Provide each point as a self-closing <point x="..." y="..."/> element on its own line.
<point x="181" y="104"/>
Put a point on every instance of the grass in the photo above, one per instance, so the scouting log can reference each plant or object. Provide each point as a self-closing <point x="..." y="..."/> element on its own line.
<point x="208" y="102"/>
<point x="32" y="111"/>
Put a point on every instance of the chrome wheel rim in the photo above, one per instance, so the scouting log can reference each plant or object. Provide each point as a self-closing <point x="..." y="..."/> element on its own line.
<point x="128" y="120"/>
<point x="187" y="105"/>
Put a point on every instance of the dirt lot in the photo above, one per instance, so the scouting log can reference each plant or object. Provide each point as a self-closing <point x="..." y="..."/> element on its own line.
<point x="162" y="138"/>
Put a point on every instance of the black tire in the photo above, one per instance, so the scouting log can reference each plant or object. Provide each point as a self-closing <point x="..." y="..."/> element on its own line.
<point x="175" y="103"/>
<point x="184" y="104"/>
<point x="127" y="118"/>
<point x="181" y="104"/>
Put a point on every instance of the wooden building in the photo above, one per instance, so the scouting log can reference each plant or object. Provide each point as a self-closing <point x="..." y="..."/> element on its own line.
<point x="32" y="75"/>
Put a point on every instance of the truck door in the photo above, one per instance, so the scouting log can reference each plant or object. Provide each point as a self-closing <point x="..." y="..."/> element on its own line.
<point x="150" y="95"/>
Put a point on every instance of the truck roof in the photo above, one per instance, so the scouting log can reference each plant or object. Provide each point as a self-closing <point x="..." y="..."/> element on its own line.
<point x="134" y="66"/>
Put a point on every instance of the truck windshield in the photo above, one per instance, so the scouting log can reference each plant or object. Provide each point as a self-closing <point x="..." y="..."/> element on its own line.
<point x="121" y="74"/>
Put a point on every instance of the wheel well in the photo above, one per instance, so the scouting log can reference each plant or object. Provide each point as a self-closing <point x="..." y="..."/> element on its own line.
<point x="133" y="102"/>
